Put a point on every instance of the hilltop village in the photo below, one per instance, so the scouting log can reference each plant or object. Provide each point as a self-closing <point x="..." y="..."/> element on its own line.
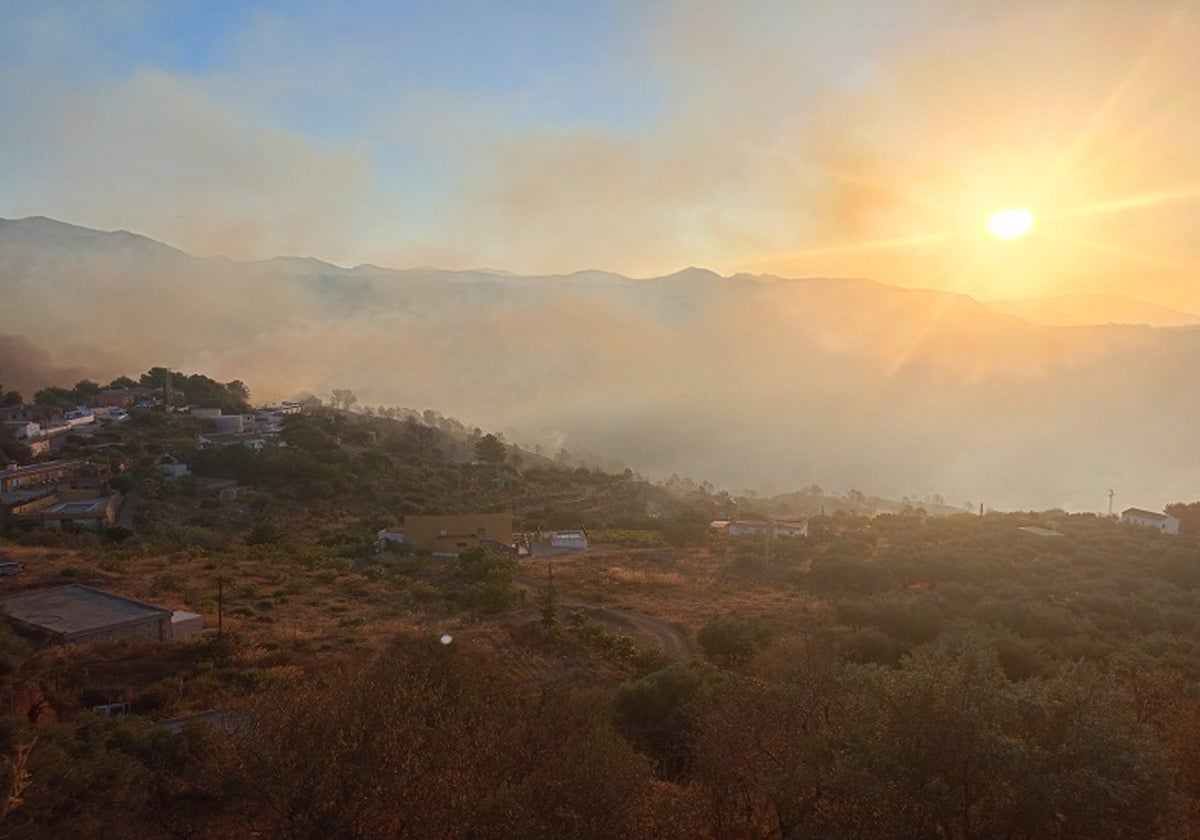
<point x="200" y="595"/>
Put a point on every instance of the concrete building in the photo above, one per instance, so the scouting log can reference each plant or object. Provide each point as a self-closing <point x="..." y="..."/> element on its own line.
<point x="389" y="538"/>
<point x="1161" y="522"/>
<point x="77" y="613"/>
<point x="49" y="473"/>
<point x="250" y="440"/>
<point x="25" y="429"/>
<point x="224" y="424"/>
<point x="760" y="527"/>
<point x="82" y="509"/>
<point x="171" y="467"/>
<point x="569" y="540"/>
<point x="450" y="535"/>
<point x="185" y="625"/>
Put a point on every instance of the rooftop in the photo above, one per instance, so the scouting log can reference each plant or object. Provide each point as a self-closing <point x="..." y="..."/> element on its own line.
<point x="1145" y="514"/>
<point x="79" y="507"/>
<point x="1040" y="532"/>
<point x="77" y="610"/>
<point x="42" y="467"/>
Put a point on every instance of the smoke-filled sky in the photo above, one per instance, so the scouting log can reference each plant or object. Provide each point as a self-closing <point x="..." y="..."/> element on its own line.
<point x="859" y="138"/>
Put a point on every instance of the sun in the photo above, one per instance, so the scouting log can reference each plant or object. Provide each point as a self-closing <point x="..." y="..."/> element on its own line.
<point x="1012" y="223"/>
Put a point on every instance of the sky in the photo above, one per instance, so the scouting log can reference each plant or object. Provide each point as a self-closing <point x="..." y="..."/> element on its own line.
<point x="860" y="138"/>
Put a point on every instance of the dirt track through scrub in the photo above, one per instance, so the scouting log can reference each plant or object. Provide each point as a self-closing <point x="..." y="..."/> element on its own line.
<point x="670" y="638"/>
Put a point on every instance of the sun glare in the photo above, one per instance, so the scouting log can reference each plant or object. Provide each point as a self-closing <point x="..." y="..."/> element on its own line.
<point x="1012" y="223"/>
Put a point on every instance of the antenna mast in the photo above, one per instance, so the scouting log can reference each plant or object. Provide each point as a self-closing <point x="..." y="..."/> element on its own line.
<point x="1110" y="498"/>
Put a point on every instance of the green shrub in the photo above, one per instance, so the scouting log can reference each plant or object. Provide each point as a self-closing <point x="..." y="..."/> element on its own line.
<point x="733" y="639"/>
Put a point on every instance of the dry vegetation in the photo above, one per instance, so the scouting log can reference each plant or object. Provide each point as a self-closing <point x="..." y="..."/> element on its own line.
<point x="730" y="687"/>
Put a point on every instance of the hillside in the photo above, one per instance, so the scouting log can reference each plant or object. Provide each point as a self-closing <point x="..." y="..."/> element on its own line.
<point x="753" y="382"/>
<point x="1084" y="310"/>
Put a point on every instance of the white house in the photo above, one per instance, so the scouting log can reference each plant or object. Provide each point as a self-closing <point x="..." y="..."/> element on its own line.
<point x="250" y="440"/>
<point x="389" y="537"/>
<point x="1161" y="522"/>
<point x="79" y="417"/>
<point x="574" y="540"/>
<point x="760" y="527"/>
<point x="172" y="468"/>
<point x="24" y="429"/>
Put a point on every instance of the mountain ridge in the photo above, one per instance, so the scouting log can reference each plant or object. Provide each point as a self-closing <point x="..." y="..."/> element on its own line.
<point x="749" y="381"/>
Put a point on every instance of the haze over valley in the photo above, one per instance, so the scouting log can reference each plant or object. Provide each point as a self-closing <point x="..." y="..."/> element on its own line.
<point x="663" y="420"/>
<point x="748" y="381"/>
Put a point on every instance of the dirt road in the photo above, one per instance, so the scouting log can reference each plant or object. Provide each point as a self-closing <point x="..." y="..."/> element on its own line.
<point x="646" y="629"/>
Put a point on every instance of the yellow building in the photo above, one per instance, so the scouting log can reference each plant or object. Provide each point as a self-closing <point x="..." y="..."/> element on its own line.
<point x="454" y="533"/>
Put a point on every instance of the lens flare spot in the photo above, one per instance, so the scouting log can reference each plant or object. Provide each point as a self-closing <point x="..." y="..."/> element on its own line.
<point x="1012" y="223"/>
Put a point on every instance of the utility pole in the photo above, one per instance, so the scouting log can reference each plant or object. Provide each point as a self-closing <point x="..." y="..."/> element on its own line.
<point x="220" y="608"/>
<point x="1110" y="498"/>
<point x="550" y="611"/>
<point x="770" y="536"/>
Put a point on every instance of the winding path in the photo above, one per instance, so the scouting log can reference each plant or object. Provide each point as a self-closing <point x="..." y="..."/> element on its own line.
<point x="670" y="638"/>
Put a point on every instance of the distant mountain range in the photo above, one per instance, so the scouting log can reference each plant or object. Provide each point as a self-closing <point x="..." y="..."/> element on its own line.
<point x="747" y="381"/>
<point x="1084" y="310"/>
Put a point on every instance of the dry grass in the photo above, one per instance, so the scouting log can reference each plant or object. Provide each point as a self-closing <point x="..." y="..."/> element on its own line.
<point x="294" y="617"/>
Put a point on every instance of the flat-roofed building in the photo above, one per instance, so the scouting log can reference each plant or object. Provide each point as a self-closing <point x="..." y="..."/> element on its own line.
<point x="78" y="613"/>
<point x="82" y="508"/>
<point x="457" y="532"/>
<point x="38" y="475"/>
<point x="760" y="527"/>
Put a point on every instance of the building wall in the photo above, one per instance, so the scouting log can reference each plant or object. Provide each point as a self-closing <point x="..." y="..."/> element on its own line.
<point x="24" y="429"/>
<point x="155" y="628"/>
<point x="778" y="529"/>
<point x="185" y="625"/>
<point x="229" y="424"/>
<point x="1165" y="525"/>
<point x="568" y="539"/>
<point x="37" y="475"/>
<point x="455" y="533"/>
<point x="385" y="539"/>
<point x="96" y="518"/>
<point x="34" y="505"/>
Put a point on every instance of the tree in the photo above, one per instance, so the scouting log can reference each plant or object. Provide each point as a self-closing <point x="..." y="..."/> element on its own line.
<point x="1188" y="516"/>
<point x="55" y="397"/>
<point x="238" y="388"/>
<point x="765" y="748"/>
<point x="489" y="574"/>
<point x="307" y="400"/>
<point x="660" y="713"/>
<point x="947" y="746"/>
<point x="490" y="449"/>
<point x="343" y="398"/>
<point x="429" y="741"/>
<point x="733" y="639"/>
<point x="156" y="377"/>
<point x="12" y="449"/>
<point x="85" y="389"/>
